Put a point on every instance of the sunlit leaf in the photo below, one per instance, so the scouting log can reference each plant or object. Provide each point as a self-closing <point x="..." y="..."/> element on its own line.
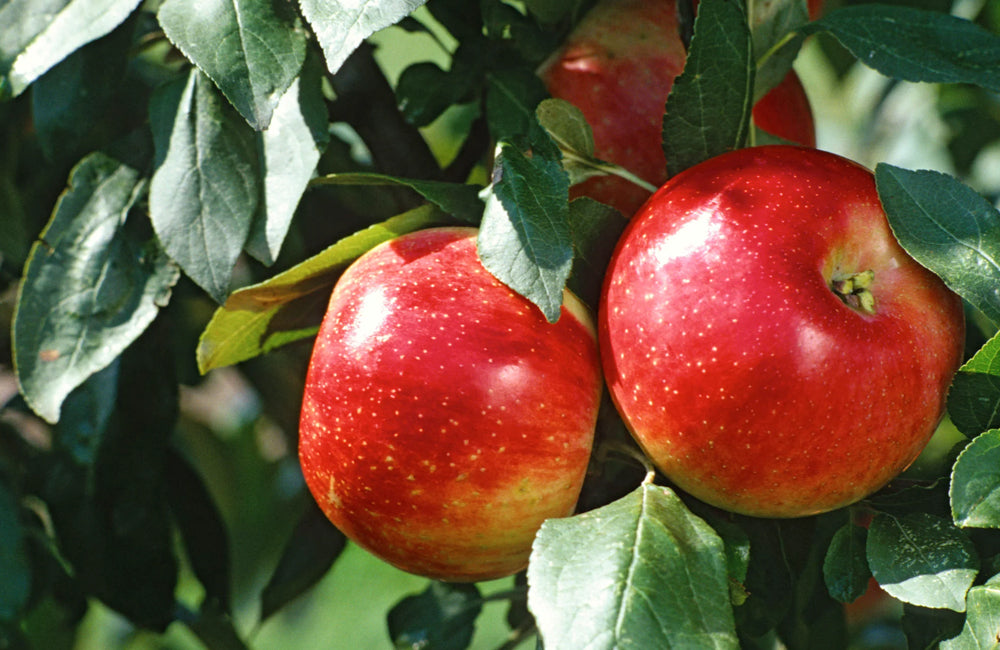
<point x="975" y="483"/>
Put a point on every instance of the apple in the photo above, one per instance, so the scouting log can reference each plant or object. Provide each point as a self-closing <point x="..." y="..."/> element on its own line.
<point x="767" y="341"/>
<point x="617" y="66"/>
<point x="444" y="419"/>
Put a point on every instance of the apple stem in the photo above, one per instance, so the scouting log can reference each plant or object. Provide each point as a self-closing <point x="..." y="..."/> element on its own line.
<point x="855" y="291"/>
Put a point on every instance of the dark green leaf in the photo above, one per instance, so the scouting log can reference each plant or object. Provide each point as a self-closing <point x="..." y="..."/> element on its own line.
<point x="205" y="189"/>
<point x="35" y="35"/>
<point x="15" y="567"/>
<point x="708" y="109"/>
<point x="70" y="97"/>
<point x="974" y="397"/>
<point x="442" y="617"/>
<point x="641" y="572"/>
<point x="457" y="199"/>
<point x="424" y="91"/>
<point x="290" y="305"/>
<point x="290" y="149"/>
<point x="595" y="229"/>
<point x="252" y="50"/>
<point x="89" y="288"/>
<point x="915" y="44"/>
<point x="341" y="26"/>
<point x="202" y="529"/>
<point x="982" y="620"/>
<point x="949" y="228"/>
<point x="314" y="546"/>
<point x="215" y="628"/>
<point x="774" y="51"/>
<point x="85" y="415"/>
<point x="926" y="628"/>
<point x="975" y="483"/>
<point x="922" y="559"/>
<point x="845" y="567"/>
<point x="512" y="95"/>
<point x="525" y="239"/>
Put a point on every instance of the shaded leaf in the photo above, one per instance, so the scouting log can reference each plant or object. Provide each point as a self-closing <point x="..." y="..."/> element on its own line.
<point x="845" y="567"/>
<point x="314" y="546"/>
<point x="290" y="305"/>
<point x="708" y="108"/>
<point x="915" y="44"/>
<point x="290" y="148"/>
<point x="982" y="620"/>
<point x="595" y="230"/>
<point x="947" y="227"/>
<point x="524" y="239"/>
<point x="251" y="49"/>
<point x="512" y="95"/>
<point x="974" y="397"/>
<point x="975" y="483"/>
<point x="341" y="26"/>
<point x="926" y="628"/>
<point x="457" y="199"/>
<point x="922" y="559"/>
<point x="774" y="52"/>
<point x="36" y="35"/>
<point x="15" y="567"/>
<point x="599" y="580"/>
<point x="442" y="617"/>
<point x="205" y="189"/>
<point x="90" y="289"/>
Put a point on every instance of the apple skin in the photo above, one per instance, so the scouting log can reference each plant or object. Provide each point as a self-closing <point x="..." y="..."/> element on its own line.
<point x="444" y="419"/>
<point x="746" y="379"/>
<point x="618" y="66"/>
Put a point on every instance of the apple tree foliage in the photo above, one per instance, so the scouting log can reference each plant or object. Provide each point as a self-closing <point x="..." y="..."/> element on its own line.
<point x="183" y="181"/>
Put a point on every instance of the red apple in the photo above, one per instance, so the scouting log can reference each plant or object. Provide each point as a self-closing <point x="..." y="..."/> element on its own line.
<point x="443" y="417"/>
<point x="617" y="67"/>
<point x="768" y="342"/>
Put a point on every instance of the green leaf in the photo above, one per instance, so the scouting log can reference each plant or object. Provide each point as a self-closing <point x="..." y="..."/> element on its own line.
<point x="35" y="35"/>
<point x="926" y="628"/>
<point x="947" y="227"/>
<point x="290" y="148"/>
<point x="341" y="26"/>
<point x="15" y="567"/>
<point x="708" y="109"/>
<point x="89" y="289"/>
<point x="975" y="483"/>
<point x="442" y="617"/>
<point x="309" y="553"/>
<point x="845" y="567"/>
<point x="251" y="49"/>
<point x="205" y="189"/>
<point x="69" y="98"/>
<point x="922" y="559"/>
<point x="641" y="572"/>
<point x="595" y="229"/>
<point x="290" y="305"/>
<point x="512" y="95"/>
<point x="982" y="620"/>
<point x="974" y="397"/>
<point x="524" y="239"/>
<point x="85" y="415"/>
<point x="915" y="44"/>
<point x="457" y="199"/>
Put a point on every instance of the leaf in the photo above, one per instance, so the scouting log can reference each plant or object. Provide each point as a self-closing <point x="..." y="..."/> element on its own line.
<point x="975" y="483"/>
<point x="251" y="49"/>
<point x="460" y="200"/>
<point x="982" y="620"/>
<point x="916" y="44"/>
<point x="85" y="415"/>
<point x="845" y="567"/>
<point x="205" y="189"/>
<point x="641" y="572"/>
<point x="89" y="289"/>
<point x="708" y="108"/>
<point x="512" y="95"/>
<point x="926" y="628"/>
<point x="774" y="51"/>
<point x="15" y="566"/>
<point x="974" y="397"/>
<point x="341" y="26"/>
<point x="442" y="617"/>
<point x="922" y="559"/>
<point x="595" y="230"/>
<point x="309" y="553"/>
<point x="290" y="305"/>
<point x="35" y="35"/>
<point x="524" y="239"/>
<point x="947" y="227"/>
<point x="290" y="148"/>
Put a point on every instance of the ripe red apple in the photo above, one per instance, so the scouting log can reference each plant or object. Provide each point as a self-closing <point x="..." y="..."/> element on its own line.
<point x="443" y="417"/>
<point x="617" y="67"/>
<point x="767" y="341"/>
